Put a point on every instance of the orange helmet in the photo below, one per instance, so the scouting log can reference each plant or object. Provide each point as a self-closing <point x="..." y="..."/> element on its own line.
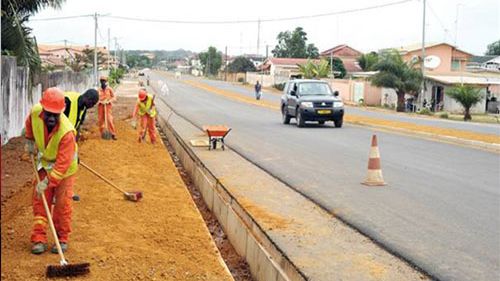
<point x="142" y="95"/>
<point x="103" y="78"/>
<point x="53" y="100"/>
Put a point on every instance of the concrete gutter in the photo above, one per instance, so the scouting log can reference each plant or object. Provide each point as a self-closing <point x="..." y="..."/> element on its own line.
<point x="281" y="234"/>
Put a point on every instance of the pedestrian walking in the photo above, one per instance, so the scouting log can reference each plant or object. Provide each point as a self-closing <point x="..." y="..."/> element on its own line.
<point x="258" y="90"/>
<point x="145" y="110"/>
<point x="50" y="135"/>
<point x="106" y="98"/>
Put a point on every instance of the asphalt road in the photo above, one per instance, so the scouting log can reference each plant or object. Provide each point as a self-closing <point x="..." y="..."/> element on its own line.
<point x="441" y="123"/>
<point x="440" y="209"/>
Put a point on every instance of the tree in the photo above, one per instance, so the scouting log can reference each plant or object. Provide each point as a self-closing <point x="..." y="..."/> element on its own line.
<point x="16" y="36"/>
<point x="312" y="70"/>
<point x="493" y="49"/>
<point x="211" y="61"/>
<point x="241" y="64"/>
<point x="368" y="61"/>
<point x="294" y="45"/>
<point x="394" y="73"/>
<point x="338" y="68"/>
<point x="467" y="96"/>
<point x="141" y="61"/>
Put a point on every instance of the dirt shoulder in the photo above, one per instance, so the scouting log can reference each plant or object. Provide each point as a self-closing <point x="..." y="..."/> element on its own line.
<point x="163" y="237"/>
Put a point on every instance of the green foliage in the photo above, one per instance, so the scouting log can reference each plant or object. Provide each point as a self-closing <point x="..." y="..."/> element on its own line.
<point x="394" y="73"/>
<point x="443" y="115"/>
<point x="312" y="70"/>
<point x="493" y="49"/>
<point x="294" y="45"/>
<point x="115" y="75"/>
<point x="138" y="61"/>
<point x="211" y="61"/>
<point x="467" y="96"/>
<point x="338" y="67"/>
<point x="241" y="79"/>
<point x="85" y="60"/>
<point x="368" y="61"/>
<point x="425" y="111"/>
<point x="279" y="86"/>
<point x="241" y="64"/>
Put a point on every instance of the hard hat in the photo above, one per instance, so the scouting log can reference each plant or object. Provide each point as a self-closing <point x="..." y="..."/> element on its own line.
<point x="53" y="100"/>
<point x="142" y="95"/>
<point x="103" y="78"/>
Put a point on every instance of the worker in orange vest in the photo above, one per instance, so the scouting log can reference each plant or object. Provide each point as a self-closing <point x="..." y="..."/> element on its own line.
<point x="146" y="110"/>
<point x="49" y="132"/>
<point x="106" y="97"/>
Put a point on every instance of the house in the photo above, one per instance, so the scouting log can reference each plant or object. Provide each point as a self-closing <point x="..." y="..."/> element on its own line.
<point x="348" y="55"/>
<point x="484" y="63"/>
<point x="284" y="67"/>
<point x="57" y="55"/>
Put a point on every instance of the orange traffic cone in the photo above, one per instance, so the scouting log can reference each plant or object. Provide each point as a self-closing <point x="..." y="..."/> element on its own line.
<point x="374" y="176"/>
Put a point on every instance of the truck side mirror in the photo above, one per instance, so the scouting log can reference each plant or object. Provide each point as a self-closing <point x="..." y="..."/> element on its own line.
<point x="336" y="93"/>
<point x="293" y="93"/>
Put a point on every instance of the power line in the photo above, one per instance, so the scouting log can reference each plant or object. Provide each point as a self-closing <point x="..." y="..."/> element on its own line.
<point x="439" y="20"/>
<point x="62" y="18"/>
<point x="262" y="20"/>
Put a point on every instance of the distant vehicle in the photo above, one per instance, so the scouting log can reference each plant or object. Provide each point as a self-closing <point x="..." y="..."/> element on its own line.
<point x="311" y="100"/>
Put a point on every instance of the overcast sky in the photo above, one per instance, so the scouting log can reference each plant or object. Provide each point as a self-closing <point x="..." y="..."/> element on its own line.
<point x="477" y="25"/>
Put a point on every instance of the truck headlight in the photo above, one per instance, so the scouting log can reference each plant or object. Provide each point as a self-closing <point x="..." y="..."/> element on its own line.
<point x="306" y="104"/>
<point x="338" y="104"/>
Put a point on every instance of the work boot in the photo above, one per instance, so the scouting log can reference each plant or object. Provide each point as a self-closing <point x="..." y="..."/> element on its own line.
<point x="114" y="137"/>
<point x="38" y="248"/>
<point x="64" y="248"/>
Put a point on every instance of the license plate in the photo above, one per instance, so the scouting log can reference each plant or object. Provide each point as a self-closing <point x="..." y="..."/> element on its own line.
<point x="324" y="111"/>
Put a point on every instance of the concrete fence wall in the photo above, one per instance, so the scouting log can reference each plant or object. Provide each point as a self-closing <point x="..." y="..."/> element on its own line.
<point x="267" y="80"/>
<point x="355" y="90"/>
<point x="17" y="99"/>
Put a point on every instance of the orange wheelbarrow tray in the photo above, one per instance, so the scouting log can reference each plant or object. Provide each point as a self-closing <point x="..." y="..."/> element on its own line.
<point x="216" y="133"/>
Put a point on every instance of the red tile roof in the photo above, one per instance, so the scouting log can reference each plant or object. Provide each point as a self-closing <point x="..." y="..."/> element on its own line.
<point x="342" y="50"/>
<point x="290" y="61"/>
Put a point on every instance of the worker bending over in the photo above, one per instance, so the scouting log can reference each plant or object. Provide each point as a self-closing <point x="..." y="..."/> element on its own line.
<point x="106" y="98"/>
<point x="145" y="109"/>
<point x="77" y="105"/>
<point x="51" y="133"/>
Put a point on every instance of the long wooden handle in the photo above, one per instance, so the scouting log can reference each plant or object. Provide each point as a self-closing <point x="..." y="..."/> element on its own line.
<point x="102" y="177"/>
<point x="49" y="217"/>
<point x="106" y="116"/>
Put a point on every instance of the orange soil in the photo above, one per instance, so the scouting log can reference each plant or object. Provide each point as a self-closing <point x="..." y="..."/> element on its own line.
<point x="163" y="237"/>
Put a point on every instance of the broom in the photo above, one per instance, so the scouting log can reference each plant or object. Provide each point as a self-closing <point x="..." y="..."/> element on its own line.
<point x="65" y="268"/>
<point x="106" y="134"/>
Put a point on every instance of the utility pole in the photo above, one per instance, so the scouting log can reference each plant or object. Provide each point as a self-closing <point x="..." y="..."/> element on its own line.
<point x="225" y="68"/>
<point x="116" y="50"/>
<point x="331" y="63"/>
<point x="95" y="50"/>
<point x="109" y="46"/>
<point x="422" y="91"/>
<point x="258" y="36"/>
<point x="267" y="52"/>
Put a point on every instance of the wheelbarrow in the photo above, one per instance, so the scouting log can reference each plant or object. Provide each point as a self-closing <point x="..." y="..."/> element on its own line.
<point x="216" y="133"/>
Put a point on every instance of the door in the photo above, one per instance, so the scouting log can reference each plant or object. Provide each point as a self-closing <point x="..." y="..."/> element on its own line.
<point x="292" y="100"/>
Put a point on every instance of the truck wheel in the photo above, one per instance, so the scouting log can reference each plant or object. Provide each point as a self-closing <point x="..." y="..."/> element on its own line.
<point x="284" y="115"/>
<point x="338" y="123"/>
<point x="300" y="120"/>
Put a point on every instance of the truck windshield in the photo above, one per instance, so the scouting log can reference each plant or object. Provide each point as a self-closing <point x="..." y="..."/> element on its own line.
<point x="314" y="89"/>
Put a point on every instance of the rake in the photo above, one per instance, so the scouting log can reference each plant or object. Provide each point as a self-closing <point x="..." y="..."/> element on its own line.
<point x="64" y="268"/>
<point x="133" y="196"/>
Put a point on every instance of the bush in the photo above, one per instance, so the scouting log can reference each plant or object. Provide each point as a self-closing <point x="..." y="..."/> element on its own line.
<point x="425" y="111"/>
<point x="443" y="115"/>
<point x="361" y="101"/>
<point x="279" y="86"/>
<point x="241" y="79"/>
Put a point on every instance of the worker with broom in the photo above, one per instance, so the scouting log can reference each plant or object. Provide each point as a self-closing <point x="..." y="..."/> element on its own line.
<point x="77" y="105"/>
<point x="145" y="109"/>
<point x="105" y="118"/>
<point x="51" y="133"/>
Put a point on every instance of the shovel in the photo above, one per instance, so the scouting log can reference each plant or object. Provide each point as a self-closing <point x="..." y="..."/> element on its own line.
<point x="133" y="196"/>
<point x="65" y="268"/>
<point x="106" y="134"/>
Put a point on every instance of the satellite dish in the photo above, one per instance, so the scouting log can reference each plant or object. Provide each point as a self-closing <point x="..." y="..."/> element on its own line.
<point x="432" y="62"/>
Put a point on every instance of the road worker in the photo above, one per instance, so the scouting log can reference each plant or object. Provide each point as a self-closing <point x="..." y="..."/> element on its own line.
<point x="106" y="98"/>
<point x="77" y="105"/>
<point x="51" y="135"/>
<point x="145" y="109"/>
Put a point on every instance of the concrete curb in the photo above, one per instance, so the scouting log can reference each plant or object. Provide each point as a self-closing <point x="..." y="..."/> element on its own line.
<point x="267" y="262"/>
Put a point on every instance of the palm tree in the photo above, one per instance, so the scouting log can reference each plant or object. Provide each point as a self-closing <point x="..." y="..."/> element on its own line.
<point x="368" y="61"/>
<point x="467" y="96"/>
<point x="16" y="36"/>
<point x="396" y="74"/>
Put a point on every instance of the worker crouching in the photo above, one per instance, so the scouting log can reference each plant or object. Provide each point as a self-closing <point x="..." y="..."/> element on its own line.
<point x="145" y="109"/>
<point x="51" y="133"/>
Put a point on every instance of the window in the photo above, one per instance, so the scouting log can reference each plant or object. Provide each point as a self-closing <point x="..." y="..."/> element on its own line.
<point x="455" y="64"/>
